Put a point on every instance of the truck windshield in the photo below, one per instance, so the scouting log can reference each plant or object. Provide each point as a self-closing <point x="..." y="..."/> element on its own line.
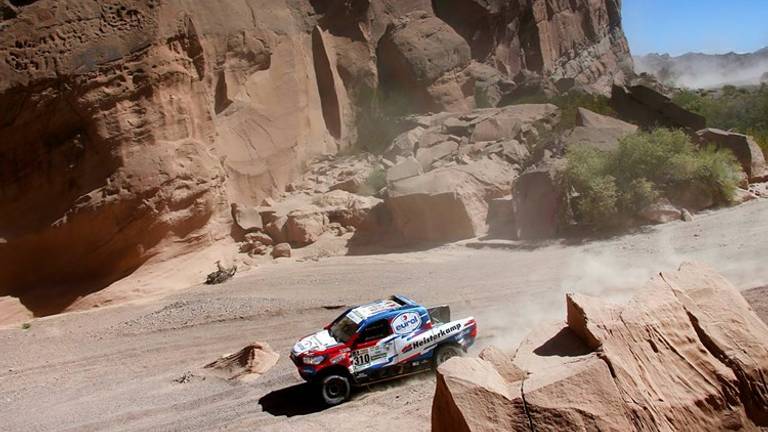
<point x="343" y="328"/>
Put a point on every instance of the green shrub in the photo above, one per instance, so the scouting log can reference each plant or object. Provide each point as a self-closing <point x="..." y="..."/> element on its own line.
<point x="376" y="180"/>
<point x="599" y="200"/>
<point x="644" y="167"/>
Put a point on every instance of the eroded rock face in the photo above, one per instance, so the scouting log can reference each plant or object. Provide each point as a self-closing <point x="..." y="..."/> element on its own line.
<point x="126" y="124"/>
<point x="686" y="353"/>
<point x="579" y="40"/>
<point x="421" y="59"/>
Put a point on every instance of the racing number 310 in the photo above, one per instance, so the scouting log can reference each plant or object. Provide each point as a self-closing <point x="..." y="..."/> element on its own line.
<point x="361" y="359"/>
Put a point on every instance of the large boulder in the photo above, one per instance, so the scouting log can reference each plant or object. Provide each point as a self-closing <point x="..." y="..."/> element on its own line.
<point x="247" y="219"/>
<point x="404" y="144"/>
<point x="429" y="155"/>
<point x="597" y="130"/>
<point x="472" y="396"/>
<point x="647" y="107"/>
<point x="509" y="122"/>
<point x="350" y="210"/>
<point x="534" y="211"/>
<point x="447" y="204"/>
<point x="305" y="225"/>
<point x="406" y="168"/>
<point x="744" y="147"/>
<point x="686" y="353"/>
<point x="421" y="59"/>
<point x="442" y="205"/>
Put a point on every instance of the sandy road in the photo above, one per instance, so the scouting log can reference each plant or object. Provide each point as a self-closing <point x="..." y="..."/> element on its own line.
<point x="114" y="368"/>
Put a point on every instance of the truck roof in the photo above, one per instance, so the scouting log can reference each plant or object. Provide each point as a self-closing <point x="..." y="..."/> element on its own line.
<point x="381" y="308"/>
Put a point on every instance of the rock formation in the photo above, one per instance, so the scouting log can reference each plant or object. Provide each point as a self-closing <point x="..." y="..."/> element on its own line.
<point x="744" y="147"/>
<point x="129" y="123"/>
<point x="129" y="129"/>
<point x="686" y="353"/>
<point x="248" y="364"/>
<point x="469" y="160"/>
<point x="647" y="107"/>
<point x="578" y="40"/>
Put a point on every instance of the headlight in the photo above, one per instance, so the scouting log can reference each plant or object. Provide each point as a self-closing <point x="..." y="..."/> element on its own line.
<point x="316" y="360"/>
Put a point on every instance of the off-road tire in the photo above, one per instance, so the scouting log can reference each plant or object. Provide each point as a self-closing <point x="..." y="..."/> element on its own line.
<point x="335" y="389"/>
<point x="444" y="352"/>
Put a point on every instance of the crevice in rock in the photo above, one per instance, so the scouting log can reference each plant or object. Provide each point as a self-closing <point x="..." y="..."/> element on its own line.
<point x="18" y="3"/>
<point x="525" y="406"/>
<point x="221" y="100"/>
<point x="326" y="84"/>
<point x="530" y="42"/>
<point x="193" y="47"/>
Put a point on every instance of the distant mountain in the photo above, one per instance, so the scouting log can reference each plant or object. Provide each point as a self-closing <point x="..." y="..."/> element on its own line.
<point x="696" y="70"/>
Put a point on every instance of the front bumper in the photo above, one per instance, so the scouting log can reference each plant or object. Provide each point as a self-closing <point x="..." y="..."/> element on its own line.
<point x="307" y="372"/>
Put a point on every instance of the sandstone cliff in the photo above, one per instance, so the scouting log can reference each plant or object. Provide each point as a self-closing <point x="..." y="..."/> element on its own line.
<point x="127" y="128"/>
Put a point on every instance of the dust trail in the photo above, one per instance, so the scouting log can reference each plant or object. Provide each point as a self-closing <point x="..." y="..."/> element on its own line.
<point x="706" y="71"/>
<point x="614" y="270"/>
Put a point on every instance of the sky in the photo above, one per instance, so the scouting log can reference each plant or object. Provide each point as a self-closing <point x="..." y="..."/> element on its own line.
<point x="709" y="26"/>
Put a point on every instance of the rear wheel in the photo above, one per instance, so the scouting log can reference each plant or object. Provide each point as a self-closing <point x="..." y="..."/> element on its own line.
<point x="444" y="352"/>
<point x="335" y="389"/>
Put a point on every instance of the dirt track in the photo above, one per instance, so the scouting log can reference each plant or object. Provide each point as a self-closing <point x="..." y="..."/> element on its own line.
<point x="114" y="369"/>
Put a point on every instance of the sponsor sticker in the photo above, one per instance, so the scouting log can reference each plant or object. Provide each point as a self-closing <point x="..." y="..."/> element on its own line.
<point x="406" y="322"/>
<point x="432" y="337"/>
<point x="365" y="311"/>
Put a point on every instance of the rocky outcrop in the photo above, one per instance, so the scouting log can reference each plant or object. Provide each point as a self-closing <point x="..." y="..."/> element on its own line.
<point x="686" y="353"/>
<point x="581" y="41"/>
<point x="744" y="147"/>
<point x="468" y="161"/>
<point x="422" y="59"/>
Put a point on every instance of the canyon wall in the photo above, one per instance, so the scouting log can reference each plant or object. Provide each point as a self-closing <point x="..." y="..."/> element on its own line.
<point x="128" y="128"/>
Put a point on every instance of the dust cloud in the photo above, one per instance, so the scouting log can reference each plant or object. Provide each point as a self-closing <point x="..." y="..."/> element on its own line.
<point x="614" y="270"/>
<point x="702" y="71"/>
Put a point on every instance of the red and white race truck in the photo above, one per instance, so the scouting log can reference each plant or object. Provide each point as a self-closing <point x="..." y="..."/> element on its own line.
<point x="378" y="341"/>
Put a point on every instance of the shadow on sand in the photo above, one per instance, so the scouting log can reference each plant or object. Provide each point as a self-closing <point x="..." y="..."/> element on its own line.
<point x="296" y="400"/>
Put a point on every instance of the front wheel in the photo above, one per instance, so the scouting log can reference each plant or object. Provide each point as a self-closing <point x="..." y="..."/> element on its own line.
<point x="335" y="389"/>
<point x="444" y="352"/>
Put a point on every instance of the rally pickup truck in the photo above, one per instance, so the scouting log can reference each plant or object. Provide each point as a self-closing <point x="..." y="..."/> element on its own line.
<point x="379" y="341"/>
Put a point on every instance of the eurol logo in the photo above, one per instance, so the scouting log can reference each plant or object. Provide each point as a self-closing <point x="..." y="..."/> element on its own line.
<point x="406" y="322"/>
